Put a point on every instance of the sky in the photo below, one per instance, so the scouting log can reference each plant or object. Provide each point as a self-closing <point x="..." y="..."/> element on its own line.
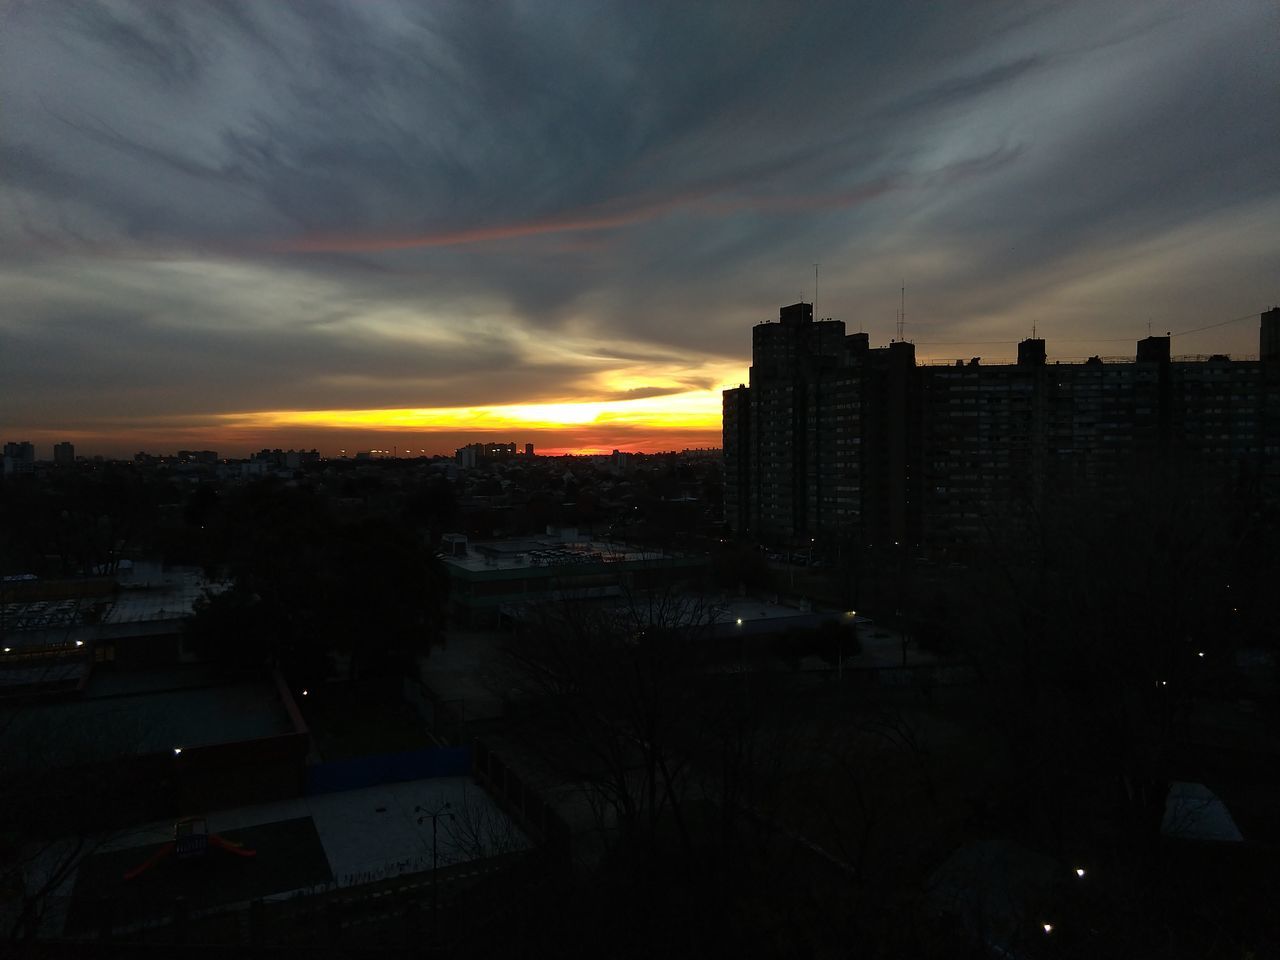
<point x="231" y="224"/>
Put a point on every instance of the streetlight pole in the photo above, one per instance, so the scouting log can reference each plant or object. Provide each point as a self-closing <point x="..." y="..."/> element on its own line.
<point x="435" y="816"/>
<point x="840" y="646"/>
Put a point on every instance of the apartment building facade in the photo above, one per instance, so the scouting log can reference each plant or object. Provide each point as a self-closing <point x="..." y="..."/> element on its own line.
<point x="833" y="439"/>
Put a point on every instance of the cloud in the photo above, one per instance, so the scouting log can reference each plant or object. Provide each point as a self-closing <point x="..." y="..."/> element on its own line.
<point x="234" y="206"/>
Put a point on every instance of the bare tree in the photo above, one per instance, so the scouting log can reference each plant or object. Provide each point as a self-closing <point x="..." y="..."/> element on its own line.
<point x="609" y="692"/>
<point x="478" y="829"/>
<point x="59" y="801"/>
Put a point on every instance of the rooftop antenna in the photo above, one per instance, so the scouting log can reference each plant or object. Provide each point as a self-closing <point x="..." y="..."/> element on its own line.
<point x="902" y="310"/>
<point x="815" y="290"/>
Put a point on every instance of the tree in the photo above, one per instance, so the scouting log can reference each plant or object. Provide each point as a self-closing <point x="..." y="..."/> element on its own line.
<point x="478" y="829"/>
<point x="1088" y="621"/>
<point x="607" y="691"/>
<point x="308" y="586"/>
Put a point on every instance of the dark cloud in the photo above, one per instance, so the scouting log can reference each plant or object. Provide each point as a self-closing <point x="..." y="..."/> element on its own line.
<point x="361" y="201"/>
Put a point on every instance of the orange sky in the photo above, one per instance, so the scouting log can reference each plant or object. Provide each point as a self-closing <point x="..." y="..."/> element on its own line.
<point x="236" y="442"/>
<point x="673" y="422"/>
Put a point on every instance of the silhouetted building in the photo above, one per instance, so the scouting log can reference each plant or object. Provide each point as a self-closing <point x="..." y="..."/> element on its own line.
<point x="1269" y="336"/>
<point x="791" y="426"/>
<point x="271" y="459"/>
<point x="297" y="459"/>
<point x="475" y="453"/>
<point x="737" y="458"/>
<point x="834" y="440"/>
<point x="19" y="457"/>
<point x="64" y="454"/>
<point x="823" y="433"/>
<point x="493" y="578"/>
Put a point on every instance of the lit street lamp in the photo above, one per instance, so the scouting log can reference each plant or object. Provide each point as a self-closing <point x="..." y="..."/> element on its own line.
<point x="853" y="625"/>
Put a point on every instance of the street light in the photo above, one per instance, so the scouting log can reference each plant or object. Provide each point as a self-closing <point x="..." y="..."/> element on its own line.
<point x="853" y="625"/>
<point x="435" y="815"/>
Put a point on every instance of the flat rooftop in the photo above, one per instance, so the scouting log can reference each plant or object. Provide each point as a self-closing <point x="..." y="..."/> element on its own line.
<point x="540" y="553"/>
<point x="163" y="598"/>
<point x="760" y="610"/>
<point x="328" y="840"/>
<point x="63" y="672"/>
<point x="127" y="714"/>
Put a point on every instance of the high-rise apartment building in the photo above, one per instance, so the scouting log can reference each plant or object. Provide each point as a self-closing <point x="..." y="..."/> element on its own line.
<point x="476" y="453"/>
<point x="789" y="473"/>
<point x="833" y="439"/>
<point x="64" y="454"/>
<point x="19" y="457"/>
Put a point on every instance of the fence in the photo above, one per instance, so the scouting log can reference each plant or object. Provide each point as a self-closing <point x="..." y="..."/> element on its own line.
<point x="444" y="719"/>
<point x="403" y="910"/>
<point x="520" y="802"/>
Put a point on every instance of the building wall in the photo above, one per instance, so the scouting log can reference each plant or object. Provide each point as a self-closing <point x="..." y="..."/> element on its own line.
<point x="19" y="457"/>
<point x="844" y="441"/>
<point x="475" y="596"/>
<point x="799" y="466"/>
<point x="737" y="461"/>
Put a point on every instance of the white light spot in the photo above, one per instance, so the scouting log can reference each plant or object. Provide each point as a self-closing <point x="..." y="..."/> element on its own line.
<point x="79" y="643"/>
<point x="739" y="621"/>
<point x="1080" y="871"/>
<point x="1048" y="927"/>
<point x="176" y="751"/>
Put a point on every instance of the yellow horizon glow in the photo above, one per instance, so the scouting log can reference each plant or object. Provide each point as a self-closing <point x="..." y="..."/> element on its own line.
<point x="692" y="410"/>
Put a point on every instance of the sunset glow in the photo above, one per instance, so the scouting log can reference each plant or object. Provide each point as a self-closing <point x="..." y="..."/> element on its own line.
<point x="698" y="410"/>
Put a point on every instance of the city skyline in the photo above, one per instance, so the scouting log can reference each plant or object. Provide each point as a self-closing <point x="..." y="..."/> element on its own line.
<point x="236" y="226"/>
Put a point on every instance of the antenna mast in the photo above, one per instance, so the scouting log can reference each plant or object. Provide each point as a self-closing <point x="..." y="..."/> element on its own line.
<point x="902" y="310"/>
<point x="815" y="291"/>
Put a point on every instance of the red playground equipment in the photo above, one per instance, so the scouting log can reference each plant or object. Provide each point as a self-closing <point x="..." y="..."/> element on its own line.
<point x="191" y="840"/>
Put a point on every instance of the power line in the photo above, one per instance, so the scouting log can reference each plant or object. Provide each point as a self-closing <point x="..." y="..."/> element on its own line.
<point x="1246" y="316"/>
<point x="959" y="343"/>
